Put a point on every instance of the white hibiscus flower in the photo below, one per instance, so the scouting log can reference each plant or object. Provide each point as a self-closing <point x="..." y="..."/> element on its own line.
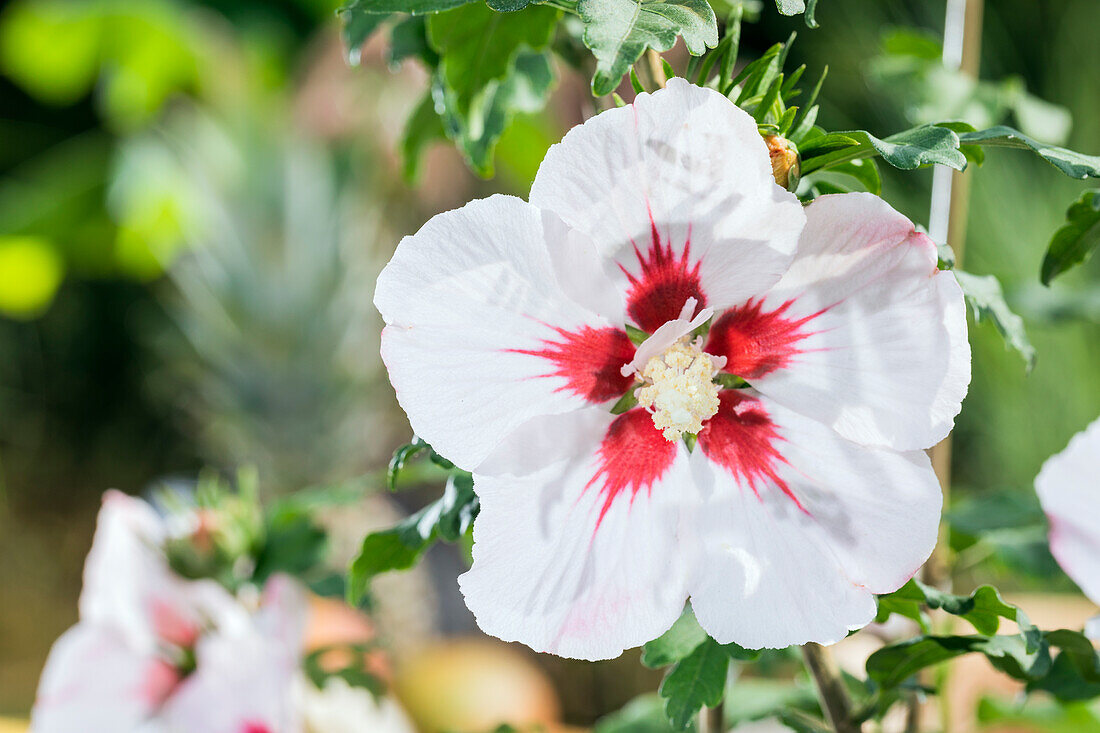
<point x="156" y="653"/>
<point x="1069" y="489"/>
<point x="806" y="493"/>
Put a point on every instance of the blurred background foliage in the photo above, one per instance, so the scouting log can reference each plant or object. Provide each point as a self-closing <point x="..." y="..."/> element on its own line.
<point x="195" y="198"/>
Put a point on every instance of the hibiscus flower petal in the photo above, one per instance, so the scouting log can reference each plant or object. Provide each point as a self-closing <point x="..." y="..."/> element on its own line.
<point x="676" y="192"/>
<point x="800" y="527"/>
<point x="1068" y="492"/>
<point x="863" y="333"/>
<point x="484" y="332"/>
<point x="94" y="680"/>
<point x="585" y="558"/>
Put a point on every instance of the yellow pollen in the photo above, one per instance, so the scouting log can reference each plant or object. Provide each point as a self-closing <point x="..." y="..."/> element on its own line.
<point x="680" y="391"/>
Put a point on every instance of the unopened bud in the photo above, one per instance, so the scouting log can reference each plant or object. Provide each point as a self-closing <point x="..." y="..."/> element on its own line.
<point x="784" y="157"/>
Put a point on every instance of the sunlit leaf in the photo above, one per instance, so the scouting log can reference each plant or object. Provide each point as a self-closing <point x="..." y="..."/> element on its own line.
<point x="676" y="643"/>
<point x="619" y="31"/>
<point x="696" y="681"/>
<point x="907" y="150"/>
<point x="1073" y="164"/>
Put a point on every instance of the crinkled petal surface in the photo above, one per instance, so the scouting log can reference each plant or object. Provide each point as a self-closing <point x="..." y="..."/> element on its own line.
<point x="676" y="192"/>
<point x="585" y="558"/>
<point x="800" y="527"/>
<point x="1070" y="495"/>
<point x="96" y="682"/>
<point x="862" y="333"/>
<point x="486" y="328"/>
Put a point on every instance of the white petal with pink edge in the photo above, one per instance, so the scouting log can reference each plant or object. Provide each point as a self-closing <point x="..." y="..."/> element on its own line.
<point x="585" y="558"/>
<point x="800" y="527"/>
<point x="482" y="334"/>
<point x="676" y="192"/>
<point x="128" y="584"/>
<point x="95" y="681"/>
<point x="863" y="333"/>
<point x="1069" y="490"/>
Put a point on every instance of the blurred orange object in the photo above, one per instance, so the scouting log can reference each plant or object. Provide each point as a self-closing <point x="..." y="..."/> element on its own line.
<point x="474" y="685"/>
<point x="331" y="622"/>
<point x="11" y="725"/>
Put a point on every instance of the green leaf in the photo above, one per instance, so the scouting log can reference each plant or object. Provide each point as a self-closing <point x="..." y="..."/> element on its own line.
<point x="619" y="31"/>
<point x="676" y="643"/>
<point x="409" y="39"/>
<point x="413" y="7"/>
<point x="987" y="301"/>
<point x="478" y="46"/>
<point x="399" y="547"/>
<point x="508" y="6"/>
<point x="400" y="457"/>
<point x="422" y="128"/>
<point x="1073" y="164"/>
<point x="1076" y="240"/>
<point x="358" y="25"/>
<point x="794" y="7"/>
<point x="906" y="150"/>
<point x="476" y="134"/>
<point x="1075" y="673"/>
<point x="892" y="665"/>
<point x="643" y="714"/>
<point x="696" y="681"/>
<point x="293" y="544"/>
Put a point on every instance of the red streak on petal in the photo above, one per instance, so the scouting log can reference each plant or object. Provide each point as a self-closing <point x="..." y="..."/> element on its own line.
<point x="255" y="728"/>
<point x="590" y="360"/>
<point x="171" y="626"/>
<point x="158" y="683"/>
<point x="742" y="438"/>
<point x="756" y="343"/>
<point x="662" y="285"/>
<point x="633" y="456"/>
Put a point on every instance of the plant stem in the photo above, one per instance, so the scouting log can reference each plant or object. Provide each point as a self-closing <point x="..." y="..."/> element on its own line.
<point x="830" y="688"/>
<point x="656" y="68"/>
<point x="711" y="720"/>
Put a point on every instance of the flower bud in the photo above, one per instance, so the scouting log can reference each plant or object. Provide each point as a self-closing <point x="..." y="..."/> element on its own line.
<point x="784" y="157"/>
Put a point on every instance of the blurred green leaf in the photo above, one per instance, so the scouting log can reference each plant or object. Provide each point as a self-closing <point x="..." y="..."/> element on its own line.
<point x="358" y="25"/>
<point x="400" y="457"/>
<point x="30" y="273"/>
<point x="619" y="31"/>
<point x="1076" y="240"/>
<point x="399" y="547"/>
<point x="1037" y="716"/>
<point x="409" y="39"/>
<point x="31" y="33"/>
<point x="413" y="7"/>
<point x="891" y="665"/>
<point x="526" y="89"/>
<point x="987" y="301"/>
<point x="422" y="128"/>
<point x="983" y="609"/>
<point x="1073" y="164"/>
<point x="478" y="46"/>
<point x="697" y="680"/>
<point x="1075" y="674"/>
<point x="643" y="714"/>
<point x="294" y="544"/>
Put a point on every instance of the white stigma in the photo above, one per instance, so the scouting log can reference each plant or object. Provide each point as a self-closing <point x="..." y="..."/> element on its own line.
<point x="680" y="391"/>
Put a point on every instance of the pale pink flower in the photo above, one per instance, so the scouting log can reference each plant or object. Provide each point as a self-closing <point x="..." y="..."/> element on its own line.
<point x="1069" y="490"/>
<point x="157" y="653"/>
<point x="805" y="495"/>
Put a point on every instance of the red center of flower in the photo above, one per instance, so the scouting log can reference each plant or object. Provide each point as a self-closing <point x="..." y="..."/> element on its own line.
<point x="662" y="284"/>
<point x="756" y="343"/>
<point x="633" y="456"/>
<point x="590" y="360"/>
<point x="742" y="439"/>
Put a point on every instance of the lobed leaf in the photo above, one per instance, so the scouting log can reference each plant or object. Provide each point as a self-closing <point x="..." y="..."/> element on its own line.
<point x="1072" y="163"/>
<point x="678" y="642"/>
<point x="1076" y="240"/>
<point x="908" y="150"/>
<point x="987" y="301"/>
<point x="619" y="31"/>
<point x="696" y="681"/>
<point x="399" y="547"/>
